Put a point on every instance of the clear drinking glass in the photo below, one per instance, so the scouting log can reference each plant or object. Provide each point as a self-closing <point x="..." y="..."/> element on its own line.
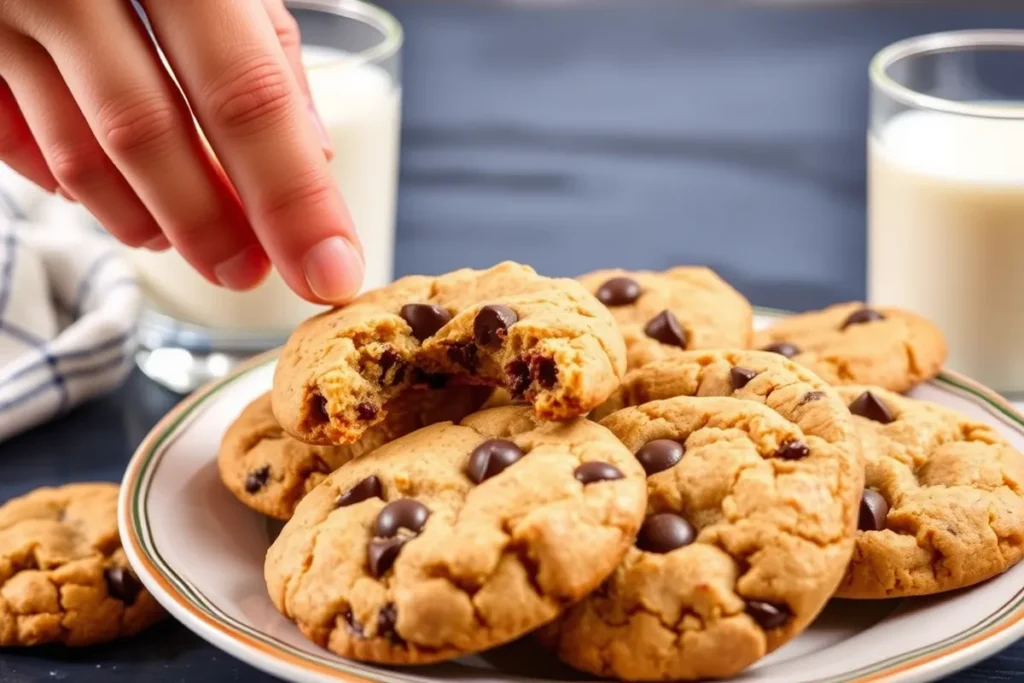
<point x="192" y="331"/>
<point x="946" y="194"/>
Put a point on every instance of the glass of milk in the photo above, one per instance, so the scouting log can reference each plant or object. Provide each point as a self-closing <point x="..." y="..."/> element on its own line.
<point x="193" y="331"/>
<point x="946" y="194"/>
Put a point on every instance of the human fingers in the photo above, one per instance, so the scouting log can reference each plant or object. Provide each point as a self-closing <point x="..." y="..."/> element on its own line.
<point x="18" y="149"/>
<point x="245" y="95"/>
<point x="142" y="123"/>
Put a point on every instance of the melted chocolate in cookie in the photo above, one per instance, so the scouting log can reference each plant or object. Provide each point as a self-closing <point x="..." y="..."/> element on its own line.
<point x="664" y="532"/>
<point x="364" y="490"/>
<point x="490" y="327"/>
<point x="595" y="471"/>
<point x="619" y="291"/>
<point x="425" y="319"/>
<point x="257" y="479"/>
<point x="660" y="454"/>
<point x="666" y="329"/>
<point x="492" y="457"/>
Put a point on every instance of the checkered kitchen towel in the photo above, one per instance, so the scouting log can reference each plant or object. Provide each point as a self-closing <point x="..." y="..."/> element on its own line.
<point x="68" y="307"/>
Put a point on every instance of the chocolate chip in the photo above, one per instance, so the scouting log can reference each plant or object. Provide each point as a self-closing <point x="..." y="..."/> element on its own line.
<point x="366" y="411"/>
<point x="122" y="584"/>
<point x="425" y="319"/>
<point x="868" y="405"/>
<point x="666" y="329"/>
<point x="740" y="377"/>
<point x="433" y="380"/>
<point x="404" y="513"/>
<point x="381" y="553"/>
<point x="490" y="327"/>
<point x="545" y="371"/>
<point x="257" y="479"/>
<point x="318" y="410"/>
<point x="364" y="490"/>
<point x="873" y="511"/>
<point x="391" y="358"/>
<point x="594" y="471"/>
<point x="812" y="396"/>
<point x="660" y="454"/>
<point x="768" y="615"/>
<point x="387" y="620"/>
<point x="491" y="458"/>
<point x="519" y="378"/>
<point x="864" y="315"/>
<point x="783" y="349"/>
<point x="464" y="354"/>
<point x="619" y="291"/>
<point x="793" y="450"/>
<point x="664" y="532"/>
<point x="320" y="465"/>
<point x="354" y="627"/>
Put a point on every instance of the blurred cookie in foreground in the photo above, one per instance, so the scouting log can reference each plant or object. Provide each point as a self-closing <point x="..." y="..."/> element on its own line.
<point x="64" y="576"/>
<point x="679" y="309"/>
<point x="270" y="471"/>
<point x="943" y="504"/>
<point x="852" y="343"/>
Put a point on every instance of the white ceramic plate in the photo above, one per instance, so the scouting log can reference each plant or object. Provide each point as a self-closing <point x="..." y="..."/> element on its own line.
<point x="200" y="552"/>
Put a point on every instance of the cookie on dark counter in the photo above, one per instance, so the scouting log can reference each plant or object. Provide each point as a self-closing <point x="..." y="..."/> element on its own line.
<point x="457" y="537"/>
<point x="63" y="575"/>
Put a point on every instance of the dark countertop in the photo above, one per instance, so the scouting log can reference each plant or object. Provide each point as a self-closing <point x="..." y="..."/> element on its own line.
<point x="571" y="137"/>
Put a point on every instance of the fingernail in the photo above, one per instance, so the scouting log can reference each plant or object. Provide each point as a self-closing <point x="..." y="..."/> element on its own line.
<point x="65" y="194"/>
<point x="158" y="243"/>
<point x="321" y="131"/>
<point x="334" y="270"/>
<point x="244" y="270"/>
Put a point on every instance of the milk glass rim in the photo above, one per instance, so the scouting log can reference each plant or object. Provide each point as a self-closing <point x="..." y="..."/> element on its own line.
<point x="946" y="41"/>
<point x="359" y="11"/>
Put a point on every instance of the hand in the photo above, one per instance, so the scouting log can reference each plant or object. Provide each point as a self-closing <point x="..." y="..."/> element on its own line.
<point x="87" y="109"/>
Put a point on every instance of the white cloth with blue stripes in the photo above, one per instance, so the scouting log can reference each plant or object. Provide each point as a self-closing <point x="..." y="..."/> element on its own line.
<point x="69" y="302"/>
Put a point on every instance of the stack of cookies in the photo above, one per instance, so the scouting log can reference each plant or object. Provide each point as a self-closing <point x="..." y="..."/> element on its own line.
<point x="619" y="465"/>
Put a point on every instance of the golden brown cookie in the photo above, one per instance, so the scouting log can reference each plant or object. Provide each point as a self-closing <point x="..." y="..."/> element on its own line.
<point x="456" y="538"/>
<point x="754" y="478"/>
<point x="63" y="576"/>
<point x="545" y="340"/>
<point x="943" y="506"/>
<point x="683" y="308"/>
<point x="270" y="471"/>
<point x="852" y="344"/>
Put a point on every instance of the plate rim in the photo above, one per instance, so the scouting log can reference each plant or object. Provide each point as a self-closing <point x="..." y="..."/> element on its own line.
<point x="984" y="638"/>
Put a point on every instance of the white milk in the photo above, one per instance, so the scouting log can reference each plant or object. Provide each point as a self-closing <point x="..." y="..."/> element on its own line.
<point x="946" y="235"/>
<point x="360" y="105"/>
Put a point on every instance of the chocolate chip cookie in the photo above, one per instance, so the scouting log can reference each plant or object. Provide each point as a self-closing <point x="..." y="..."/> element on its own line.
<point x="270" y="472"/>
<point x="456" y="538"/>
<point x="851" y="343"/>
<point x="63" y="576"/>
<point x="754" y="478"/>
<point x="547" y="341"/>
<point x="683" y="308"/>
<point x="944" y="503"/>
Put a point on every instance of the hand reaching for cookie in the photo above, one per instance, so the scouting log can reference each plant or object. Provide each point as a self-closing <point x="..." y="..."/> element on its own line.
<point x="87" y="109"/>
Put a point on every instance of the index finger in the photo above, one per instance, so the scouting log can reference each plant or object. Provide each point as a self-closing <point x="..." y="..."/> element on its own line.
<point x="236" y="77"/>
